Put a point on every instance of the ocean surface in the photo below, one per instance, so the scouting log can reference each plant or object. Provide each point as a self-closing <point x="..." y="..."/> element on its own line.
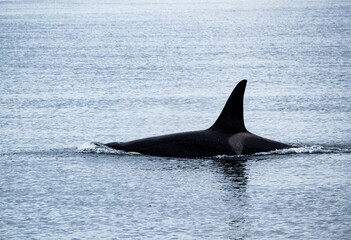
<point x="74" y="74"/>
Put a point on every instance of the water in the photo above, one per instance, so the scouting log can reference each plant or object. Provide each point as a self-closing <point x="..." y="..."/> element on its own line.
<point x="75" y="73"/>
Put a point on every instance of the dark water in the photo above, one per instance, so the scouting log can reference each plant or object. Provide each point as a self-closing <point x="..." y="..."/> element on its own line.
<point x="74" y="73"/>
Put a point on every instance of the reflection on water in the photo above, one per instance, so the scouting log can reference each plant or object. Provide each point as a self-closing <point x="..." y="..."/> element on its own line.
<point x="234" y="176"/>
<point x="221" y="184"/>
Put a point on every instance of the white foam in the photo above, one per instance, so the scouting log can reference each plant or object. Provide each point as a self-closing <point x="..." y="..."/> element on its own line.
<point x="315" y="149"/>
<point x="95" y="147"/>
<point x="306" y="150"/>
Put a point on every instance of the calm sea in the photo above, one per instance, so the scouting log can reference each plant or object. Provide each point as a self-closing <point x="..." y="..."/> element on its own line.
<point x="73" y="73"/>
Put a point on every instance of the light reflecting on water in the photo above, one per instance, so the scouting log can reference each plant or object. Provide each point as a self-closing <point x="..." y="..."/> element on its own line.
<point x="254" y="197"/>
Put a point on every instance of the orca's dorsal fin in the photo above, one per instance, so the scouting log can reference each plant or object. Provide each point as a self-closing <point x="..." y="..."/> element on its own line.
<point x="231" y="119"/>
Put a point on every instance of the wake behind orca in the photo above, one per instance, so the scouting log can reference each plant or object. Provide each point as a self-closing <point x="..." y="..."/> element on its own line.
<point x="227" y="136"/>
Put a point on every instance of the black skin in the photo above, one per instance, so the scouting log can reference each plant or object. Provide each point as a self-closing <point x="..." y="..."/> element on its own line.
<point x="227" y="136"/>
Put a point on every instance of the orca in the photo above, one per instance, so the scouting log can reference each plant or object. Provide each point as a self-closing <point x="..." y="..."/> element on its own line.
<point x="227" y="136"/>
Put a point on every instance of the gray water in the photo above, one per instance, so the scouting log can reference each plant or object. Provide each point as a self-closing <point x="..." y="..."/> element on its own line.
<point x="73" y="73"/>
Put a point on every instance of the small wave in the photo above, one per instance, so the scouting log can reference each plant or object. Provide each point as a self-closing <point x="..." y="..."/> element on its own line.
<point x="316" y="149"/>
<point x="95" y="147"/>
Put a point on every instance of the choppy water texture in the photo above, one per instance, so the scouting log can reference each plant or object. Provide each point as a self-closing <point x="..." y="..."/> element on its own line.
<point x="75" y="73"/>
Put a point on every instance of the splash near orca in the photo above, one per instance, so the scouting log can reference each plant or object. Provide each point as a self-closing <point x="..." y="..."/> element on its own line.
<point x="227" y="136"/>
